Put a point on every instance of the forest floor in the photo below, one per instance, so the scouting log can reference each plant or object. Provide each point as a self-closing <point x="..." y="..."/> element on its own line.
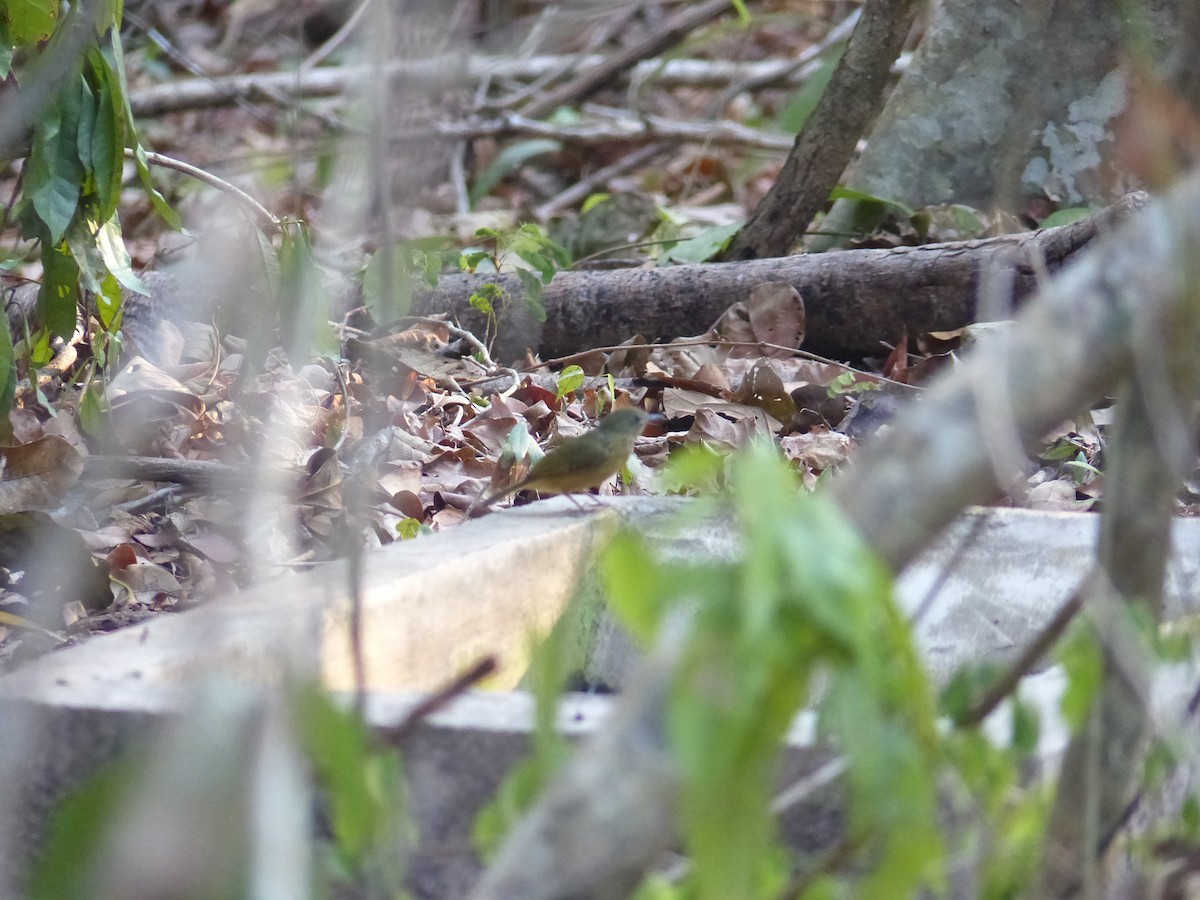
<point x="388" y="428"/>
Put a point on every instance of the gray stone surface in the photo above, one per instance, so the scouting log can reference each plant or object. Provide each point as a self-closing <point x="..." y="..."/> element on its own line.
<point x="981" y="591"/>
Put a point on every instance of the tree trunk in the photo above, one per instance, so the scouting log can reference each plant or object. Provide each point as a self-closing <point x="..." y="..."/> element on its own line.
<point x="825" y="144"/>
<point x="1004" y="102"/>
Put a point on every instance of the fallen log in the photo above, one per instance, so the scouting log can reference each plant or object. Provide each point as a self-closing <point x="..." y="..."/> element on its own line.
<point x="856" y="300"/>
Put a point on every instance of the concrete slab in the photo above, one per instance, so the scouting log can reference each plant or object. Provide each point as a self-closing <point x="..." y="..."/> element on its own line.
<point x="431" y="608"/>
<point x="433" y="605"/>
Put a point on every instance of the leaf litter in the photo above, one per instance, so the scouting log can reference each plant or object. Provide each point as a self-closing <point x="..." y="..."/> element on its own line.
<point x="397" y="434"/>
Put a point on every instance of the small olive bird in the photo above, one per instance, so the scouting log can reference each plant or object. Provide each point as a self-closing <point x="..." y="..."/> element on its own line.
<point x="581" y="463"/>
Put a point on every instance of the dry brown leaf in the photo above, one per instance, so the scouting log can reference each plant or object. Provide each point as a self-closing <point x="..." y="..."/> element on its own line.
<point x="777" y="315"/>
<point x="818" y="450"/>
<point x="710" y="373"/>
<point x="631" y="359"/>
<point x="212" y="546"/>
<point x="26" y="426"/>
<point x="37" y="475"/>
<point x="678" y="403"/>
<point x="731" y="425"/>
<point x="763" y="387"/>
<point x="400" y="476"/>
<point x="145" y="579"/>
<point x="1057" y="494"/>
<point x="773" y="313"/>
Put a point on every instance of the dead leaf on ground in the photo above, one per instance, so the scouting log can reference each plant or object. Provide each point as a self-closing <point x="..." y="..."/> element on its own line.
<point x="763" y="387"/>
<point x="773" y="313"/>
<point x="145" y="581"/>
<point x="1058" y="494"/>
<point x="731" y="426"/>
<point x="37" y="475"/>
<point x="818" y="450"/>
<point x="631" y="359"/>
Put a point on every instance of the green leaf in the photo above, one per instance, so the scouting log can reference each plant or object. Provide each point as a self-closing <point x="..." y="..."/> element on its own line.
<point x="519" y="444"/>
<point x="845" y="193"/>
<point x="1083" y="661"/>
<point x="39" y="347"/>
<point x="86" y="255"/>
<point x="705" y="245"/>
<point x="304" y="305"/>
<point x="58" y="297"/>
<point x="509" y="160"/>
<point x="484" y="298"/>
<point x="55" y="176"/>
<point x="117" y="73"/>
<point x="533" y="294"/>
<point x="30" y="21"/>
<point x="1065" y="217"/>
<point x="116" y="258"/>
<point x="799" y="106"/>
<point x="8" y="373"/>
<point x="570" y="379"/>
<point x="409" y="528"/>
<point x="107" y="138"/>
<point x="86" y="124"/>
<point x="469" y="260"/>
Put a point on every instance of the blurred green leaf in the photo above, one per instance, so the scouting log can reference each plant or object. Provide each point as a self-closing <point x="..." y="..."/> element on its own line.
<point x="1065" y="217"/>
<point x="360" y="779"/>
<point x="58" y="298"/>
<point x="8" y="373"/>
<point x="30" y="21"/>
<point x="116" y="259"/>
<point x="93" y="408"/>
<point x="54" y="175"/>
<point x="803" y="595"/>
<point x="509" y="160"/>
<point x="304" y="304"/>
<point x="570" y="379"/>
<point x="107" y="138"/>
<point x="116" y="65"/>
<point x="1083" y="661"/>
<point x="704" y="245"/>
<point x="533" y="294"/>
<point x="742" y="12"/>
<point x="800" y="105"/>
<point x="845" y="193"/>
<point x="594" y="200"/>
<point x="76" y="831"/>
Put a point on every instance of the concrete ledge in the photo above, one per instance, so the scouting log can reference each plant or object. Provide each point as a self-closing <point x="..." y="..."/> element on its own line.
<point x="436" y="604"/>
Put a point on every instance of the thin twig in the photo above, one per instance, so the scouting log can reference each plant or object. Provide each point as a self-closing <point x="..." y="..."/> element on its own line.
<point x="395" y="735"/>
<point x="702" y="342"/>
<point x="585" y="187"/>
<point x="675" y="29"/>
<point x="1029" y="658"/>
<point x="169" y="162"/>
